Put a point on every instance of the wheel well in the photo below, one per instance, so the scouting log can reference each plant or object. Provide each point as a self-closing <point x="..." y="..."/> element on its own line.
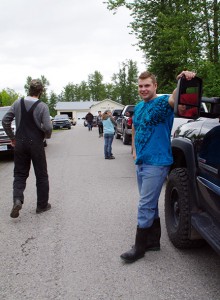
<point x="179" y="159"/>
<point x="184" y="157"/>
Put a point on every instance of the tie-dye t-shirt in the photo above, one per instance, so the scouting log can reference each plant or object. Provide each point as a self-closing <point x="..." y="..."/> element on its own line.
<point x="153" y="122"/>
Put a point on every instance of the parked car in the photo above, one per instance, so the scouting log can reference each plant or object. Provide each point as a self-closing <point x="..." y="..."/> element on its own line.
<point x="124" y="124"/>
<point x="61" y="121"/>
<point x="5" y="142"/>
<point x="192" y="197"/>
<point x="116" y="113"/>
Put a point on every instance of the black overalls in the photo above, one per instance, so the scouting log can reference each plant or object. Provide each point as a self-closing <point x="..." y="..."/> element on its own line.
<point x="29" y="147"/>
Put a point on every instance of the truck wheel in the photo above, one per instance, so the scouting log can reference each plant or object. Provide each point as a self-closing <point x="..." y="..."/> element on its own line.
<point x="177" y="210"/>
<point x="117" y="135"/>
<point x="125" y="138"/>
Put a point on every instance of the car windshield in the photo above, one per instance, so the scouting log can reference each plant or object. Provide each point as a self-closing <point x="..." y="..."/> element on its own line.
<point x="61" y="117"/>
<point x="117" y="112"/>
<point x="131" y="109"/>
<point x="2" y="113"/>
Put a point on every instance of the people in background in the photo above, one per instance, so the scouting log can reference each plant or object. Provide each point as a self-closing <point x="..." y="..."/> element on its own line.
<point x="89" y="119"/>
<point x="99" y="123"/>
<point x="109" y="131"/>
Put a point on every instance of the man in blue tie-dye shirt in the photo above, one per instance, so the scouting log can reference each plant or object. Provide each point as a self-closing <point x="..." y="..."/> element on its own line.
<point x="152" y="124"/>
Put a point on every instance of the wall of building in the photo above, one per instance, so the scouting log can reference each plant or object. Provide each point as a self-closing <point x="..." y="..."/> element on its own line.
<point x="104" y="105"/>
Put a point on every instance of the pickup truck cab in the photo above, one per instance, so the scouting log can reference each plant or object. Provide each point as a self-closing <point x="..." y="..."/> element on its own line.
<point x="192" y="197"/>
<point x="124" y="124"/>
<point x="61" y="121"/>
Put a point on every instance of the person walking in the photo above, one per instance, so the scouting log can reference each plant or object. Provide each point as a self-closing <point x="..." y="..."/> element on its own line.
<point x="99" y="123"/>
<point x="152" y="124"/>
<point x="109" y="131"/>
<point x="89" y="119"/>
<point x="33" y="125"/>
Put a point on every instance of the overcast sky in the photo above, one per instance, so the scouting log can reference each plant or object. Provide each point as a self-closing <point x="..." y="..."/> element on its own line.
<point x="64" y="40"/>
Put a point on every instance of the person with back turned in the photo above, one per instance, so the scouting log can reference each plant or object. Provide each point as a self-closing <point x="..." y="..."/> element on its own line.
<point x="33" y="125"/>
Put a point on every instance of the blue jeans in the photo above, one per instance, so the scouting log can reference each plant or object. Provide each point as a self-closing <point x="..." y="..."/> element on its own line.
<point x="89" y="126"/>
<point x="150" y="181"/>
<point x="108" y="139"/>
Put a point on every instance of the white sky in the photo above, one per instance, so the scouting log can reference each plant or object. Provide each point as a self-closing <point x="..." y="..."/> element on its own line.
<point x="64" y="40"/>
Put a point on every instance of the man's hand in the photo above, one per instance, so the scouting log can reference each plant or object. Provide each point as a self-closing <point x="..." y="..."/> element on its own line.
<point x="13" y="143"/>
<point x="134" y="153"/>
<point x="188" y="75"/>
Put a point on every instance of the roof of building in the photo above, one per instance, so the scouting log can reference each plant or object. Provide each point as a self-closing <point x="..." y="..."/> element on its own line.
<point x="79" y="105"/>
<point x="75" y="105"/>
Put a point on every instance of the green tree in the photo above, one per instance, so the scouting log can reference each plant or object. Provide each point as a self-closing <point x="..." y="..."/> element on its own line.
<point x="69" y="93"/>
<point x="125" y="82"/>
<point x="84" y="92"/>
<point x="53" y="99"/>
<point x="174" y="35"/>
<point x="96" y="86"/>
<point x="8" y="97"/>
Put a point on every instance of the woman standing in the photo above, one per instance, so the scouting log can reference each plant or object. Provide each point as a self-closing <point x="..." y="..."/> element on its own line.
<point x="109" y="131"/>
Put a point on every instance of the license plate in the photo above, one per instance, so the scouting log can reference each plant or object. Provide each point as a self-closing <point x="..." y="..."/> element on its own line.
<point x="3" y="147"/>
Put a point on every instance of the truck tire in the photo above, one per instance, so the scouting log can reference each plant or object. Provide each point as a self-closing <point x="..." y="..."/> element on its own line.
<point x="126" y="138"/>
<point x="177" y="210"/>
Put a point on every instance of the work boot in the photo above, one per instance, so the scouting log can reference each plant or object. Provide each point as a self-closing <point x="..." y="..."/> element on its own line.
<point x="138" y="250"/>
<point x="153" y="237"/>
<point x="15" y="209"/>
<point x="40" y="210"/>
<point x="152" y="242"/>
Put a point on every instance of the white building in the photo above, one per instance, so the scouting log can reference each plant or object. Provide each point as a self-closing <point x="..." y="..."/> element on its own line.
<point x="78" y="110"/>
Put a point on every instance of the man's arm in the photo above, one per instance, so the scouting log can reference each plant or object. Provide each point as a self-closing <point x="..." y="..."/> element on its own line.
<point x="188" y="75"/>
<point x="113" y="121"/>
<point x="6" y="123"/>
<point x="133" y="143"/>
<point x="46" y="123"/>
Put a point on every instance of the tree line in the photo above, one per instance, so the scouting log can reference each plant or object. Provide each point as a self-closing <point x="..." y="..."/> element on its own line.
<point x="173" y="36"/>
<point x="177" y="35"/>
<point x="122" y="89"/>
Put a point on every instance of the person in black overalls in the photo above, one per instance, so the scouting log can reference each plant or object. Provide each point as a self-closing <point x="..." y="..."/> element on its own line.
<point x="29" y="147"/>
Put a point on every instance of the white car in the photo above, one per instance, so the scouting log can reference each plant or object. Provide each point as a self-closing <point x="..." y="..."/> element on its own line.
<point x="5" y="142"/>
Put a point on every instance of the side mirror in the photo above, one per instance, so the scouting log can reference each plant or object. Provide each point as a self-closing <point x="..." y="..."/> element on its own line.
<point x="188" y="98"/>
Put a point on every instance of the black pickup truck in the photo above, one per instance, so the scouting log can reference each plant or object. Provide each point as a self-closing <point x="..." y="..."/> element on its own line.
<point x="124" y="124"/>
<point x="192" y="197"/>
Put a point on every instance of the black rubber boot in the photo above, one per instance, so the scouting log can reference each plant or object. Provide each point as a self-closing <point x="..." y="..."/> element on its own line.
<point x="153" y="237"/>
<point x="40" y="210"/>
<point x="138" y="250"/>
<point x="17" y="206"/>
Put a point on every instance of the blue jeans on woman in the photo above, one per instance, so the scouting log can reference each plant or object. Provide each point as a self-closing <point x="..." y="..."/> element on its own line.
<point x="108" y="139"/>
<point x="150" y="181"/>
